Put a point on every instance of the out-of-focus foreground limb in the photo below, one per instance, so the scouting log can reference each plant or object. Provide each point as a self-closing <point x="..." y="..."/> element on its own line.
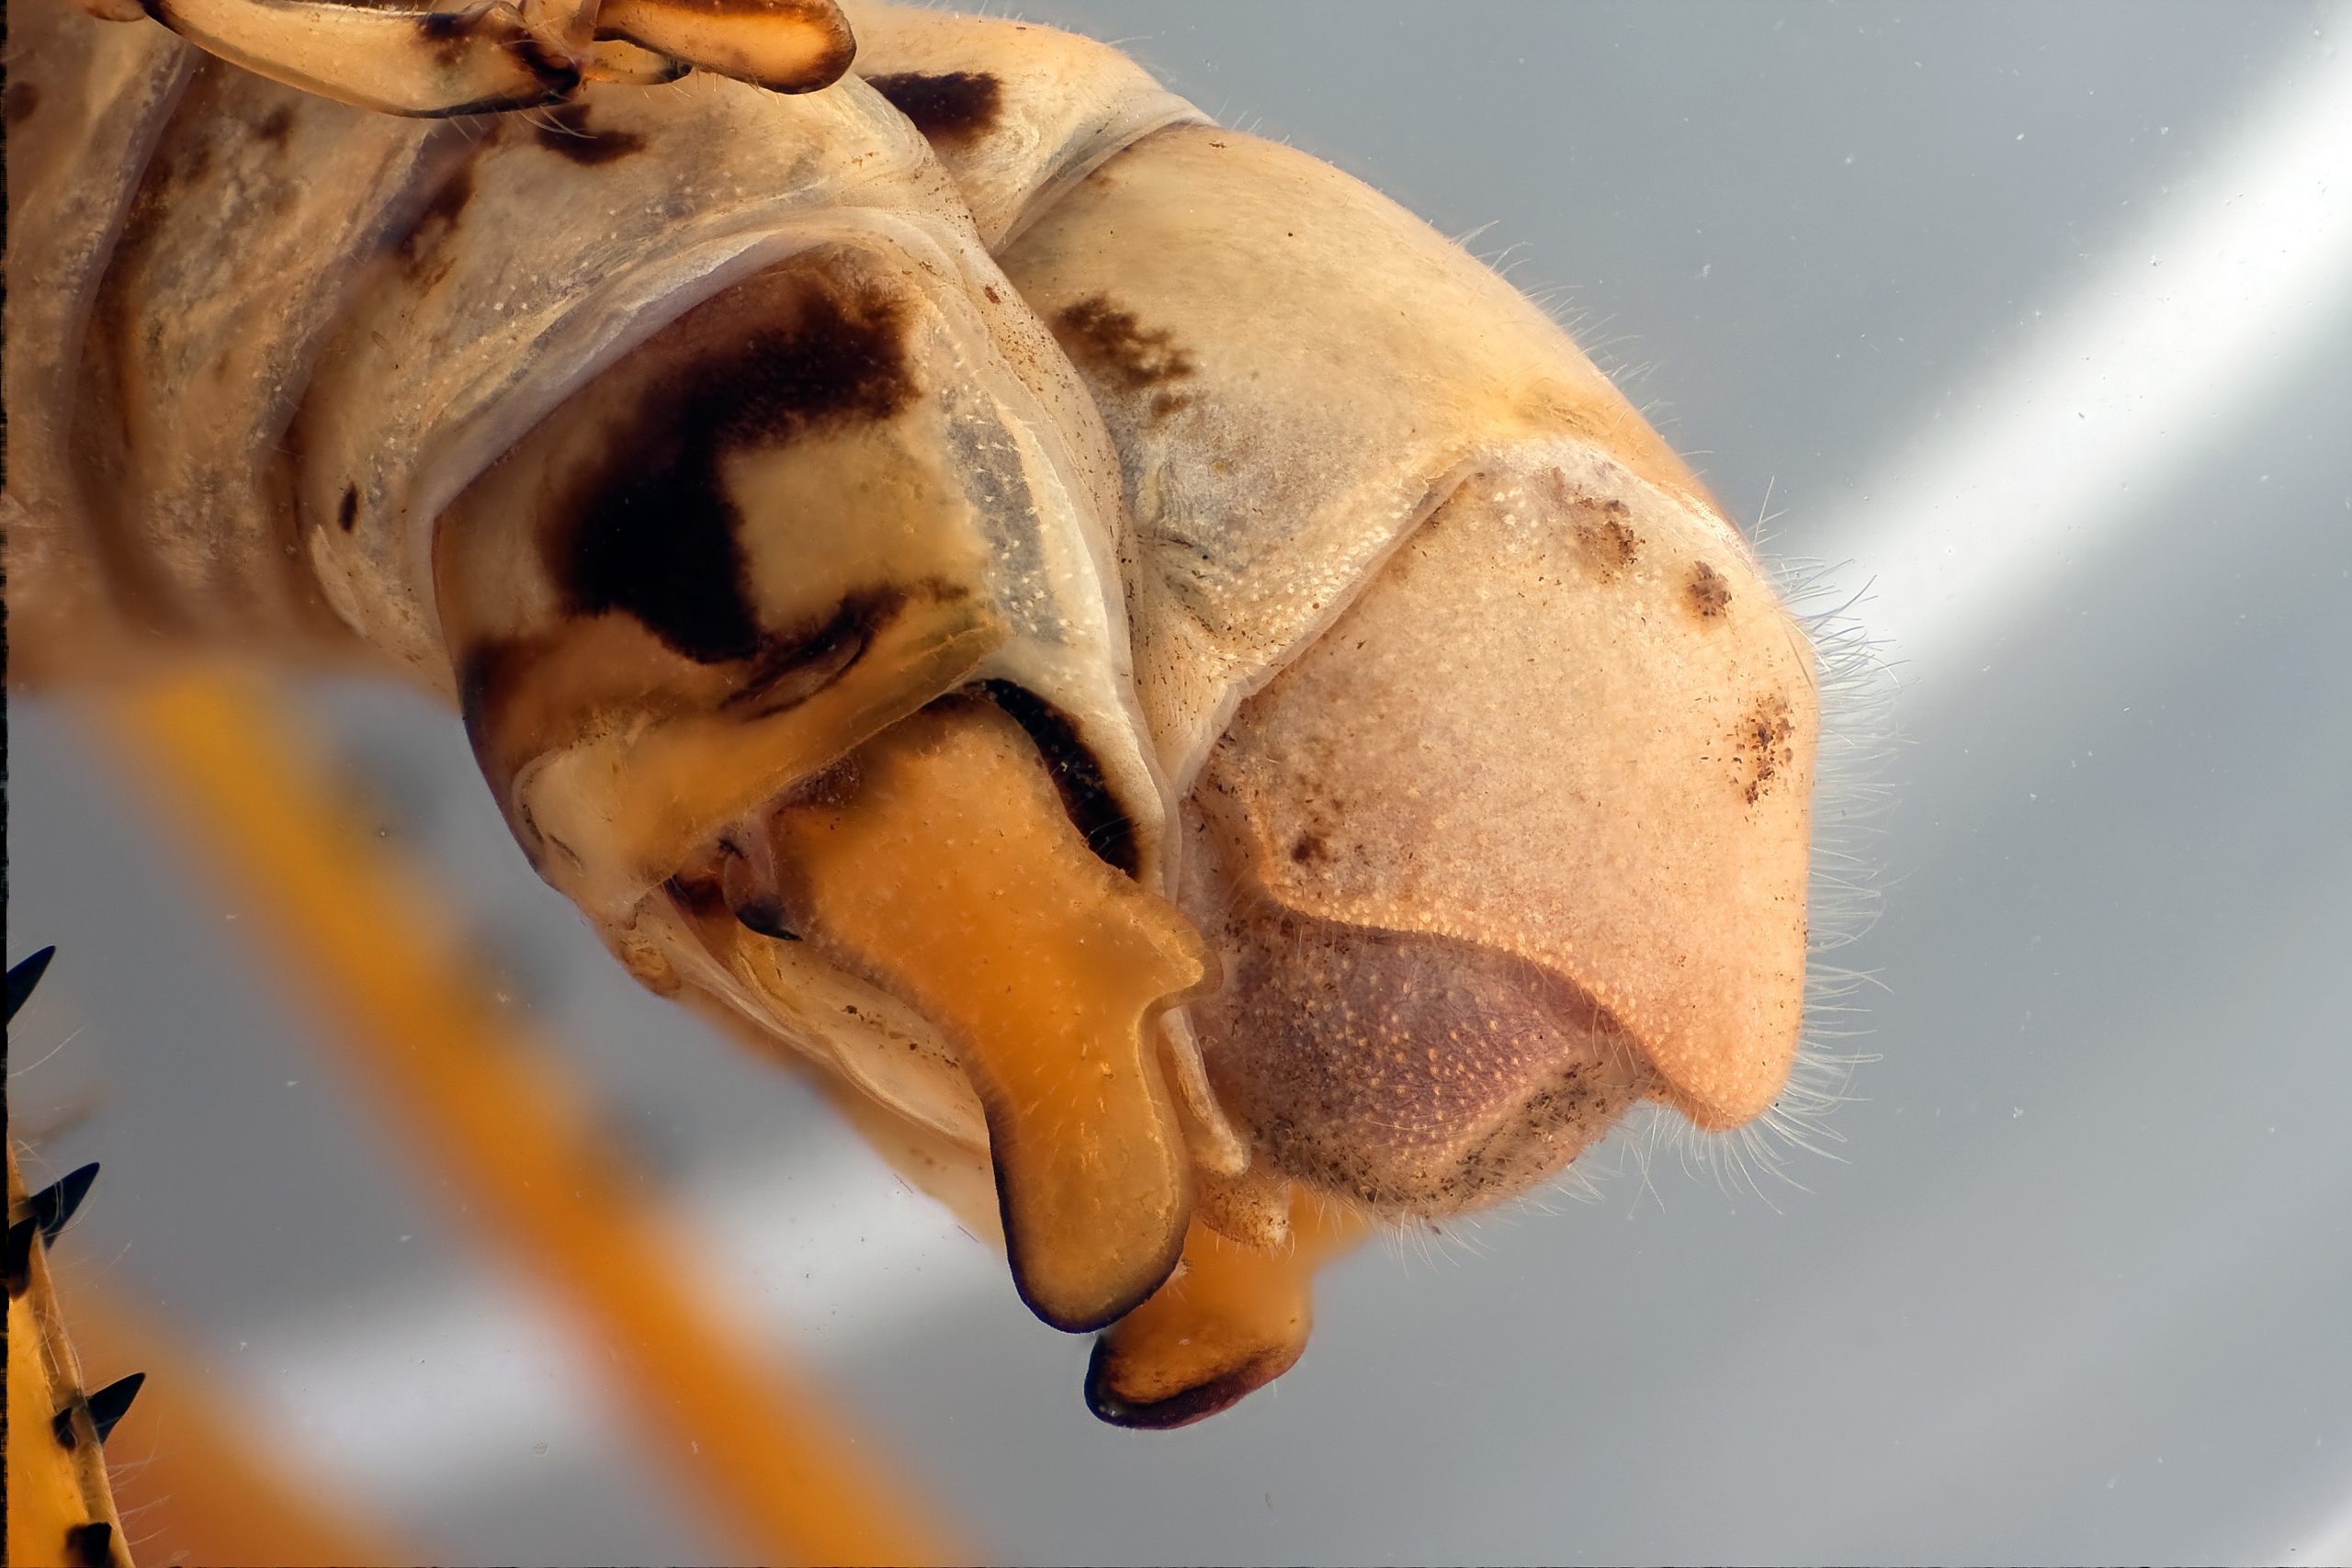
<point x="194" y="1483"/>
<point x="784" y="1474"/>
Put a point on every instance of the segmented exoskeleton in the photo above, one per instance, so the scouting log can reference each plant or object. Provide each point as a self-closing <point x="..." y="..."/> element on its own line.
<point x="1190" y="696"/>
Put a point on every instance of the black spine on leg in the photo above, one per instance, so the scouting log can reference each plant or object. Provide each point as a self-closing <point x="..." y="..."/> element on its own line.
<point x="53" y="1207"/>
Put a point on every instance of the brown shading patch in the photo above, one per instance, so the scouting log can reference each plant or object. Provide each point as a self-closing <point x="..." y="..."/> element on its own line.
<point x="952" y="108"/>
<point x="24" y="99"/>
<point x="565" y="129"/>
<point x="1762" y="746"/>
<point x="1604" y="536"/>
<point x="1709" y="595"/>
<point x="275" y="125"/>
<point x="651" y="531"/>
<point x="445" y="35"/>
<point x="1086" y="794"/>
<point x="1110" y="341"/>
<point x="1409" y="1072"/>
<point x="419" y="248"/>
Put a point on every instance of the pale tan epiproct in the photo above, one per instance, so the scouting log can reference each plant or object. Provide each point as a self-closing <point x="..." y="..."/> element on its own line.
<point x="1341" y="601"/>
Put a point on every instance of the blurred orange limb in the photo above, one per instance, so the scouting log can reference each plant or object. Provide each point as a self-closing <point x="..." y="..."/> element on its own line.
<point x="360" y="934"/>
<point x="194" y="1484"/>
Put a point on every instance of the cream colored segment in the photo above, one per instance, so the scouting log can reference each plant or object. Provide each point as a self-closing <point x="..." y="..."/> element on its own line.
<point x="101" y="97"/>
<point x="1578" y="733"/>
<point x="470" y="61"/>
<point x="200" y="350"/>
<point x="535" y="272"/>
<point x="1319" y="406"/>
<point x="1041" y="107"/>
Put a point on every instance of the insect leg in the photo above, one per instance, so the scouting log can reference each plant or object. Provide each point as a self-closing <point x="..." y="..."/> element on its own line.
<point x="476" y="60"/>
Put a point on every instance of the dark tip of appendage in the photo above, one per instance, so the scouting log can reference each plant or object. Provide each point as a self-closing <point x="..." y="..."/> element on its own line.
<point x="53" y="1207"/>
<point x="110" y="1404"/>
<point x="20" y="1257"/>
<point x="90" y="1545"/>
<point x="24" y="975"/>
<point x="1164" y="1414"/>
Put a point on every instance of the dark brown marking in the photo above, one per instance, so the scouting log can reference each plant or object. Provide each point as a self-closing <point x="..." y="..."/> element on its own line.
<point x="346" y="516"/>
<point x="1309" y="848"/>
<point x="90" y="1545"/>
<point x="989" y="289"/>
<point x="1608" y="542"/>
<point x="1114" y="345"/>
<point x="655" y="530"/>
<point x="445" y="35"/>
<point x="24" y="99"/>
<point x="275" y="125"/>
<point x="952" y="108"/>
<point x="795" y="666"/>
<point x="419" y="247"/>
<point x="1086" y="794"/>
<point x="565" y="129"/>
<point x="1710" y="594"/>
<point x="1762" y="746"/>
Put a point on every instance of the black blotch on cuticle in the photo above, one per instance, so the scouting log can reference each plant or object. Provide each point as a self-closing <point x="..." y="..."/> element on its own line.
<point x="20" y="1256"/>
<point x="950" y="106"/>
<point x="565" y="129"/>
<point x="346" y="514"/>
<point x="1086" y="794"/>
<point x="653" y="530"/>
<point x="60" y="1425"/>
<point x="765" y="917"/>
<point x="90" y="1545"/>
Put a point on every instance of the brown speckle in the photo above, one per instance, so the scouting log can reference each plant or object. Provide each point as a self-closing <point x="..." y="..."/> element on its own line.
<point x="952" y="108"/>
<point x="565" y="129"/>
<point x="1603" y="534"/>
<point x="1309" y="849"/>
<point x="989" y="289"/>
<point x="1762" y="746"/>
<point x="1118" y="349"/>
<point x="1709" y="595"/>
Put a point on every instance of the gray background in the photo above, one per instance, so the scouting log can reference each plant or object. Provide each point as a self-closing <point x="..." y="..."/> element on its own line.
<point x="2074" y="1283"/>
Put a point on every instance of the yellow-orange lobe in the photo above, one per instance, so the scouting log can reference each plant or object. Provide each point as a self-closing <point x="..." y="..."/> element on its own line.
<point x="938" y="865"/>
